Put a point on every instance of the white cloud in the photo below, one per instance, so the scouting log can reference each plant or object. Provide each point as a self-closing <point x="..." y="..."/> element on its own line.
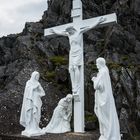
<point x="14" y="14"/>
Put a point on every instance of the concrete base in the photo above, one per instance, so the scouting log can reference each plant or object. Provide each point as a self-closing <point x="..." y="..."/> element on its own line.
<point x="66" y="136"/>
<point x="31" y="134"/>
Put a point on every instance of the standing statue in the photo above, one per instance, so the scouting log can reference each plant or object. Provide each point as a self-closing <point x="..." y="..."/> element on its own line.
<point x="60" y="121"/>
<point x="104" y="103"/>
<point x="31" y="107"/>
<point x="75" y="55"/>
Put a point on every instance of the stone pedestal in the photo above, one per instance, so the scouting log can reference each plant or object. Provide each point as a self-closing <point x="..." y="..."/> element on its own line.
<point x="66" y="136"/>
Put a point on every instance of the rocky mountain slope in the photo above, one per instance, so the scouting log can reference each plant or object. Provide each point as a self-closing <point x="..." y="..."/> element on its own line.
<point x="21" y="54"/>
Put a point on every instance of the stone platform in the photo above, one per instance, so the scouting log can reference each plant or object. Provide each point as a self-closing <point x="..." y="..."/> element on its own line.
<point x="66" y="136"/>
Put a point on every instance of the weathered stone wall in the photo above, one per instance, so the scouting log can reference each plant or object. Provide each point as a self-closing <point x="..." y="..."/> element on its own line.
<point x="23" y="53"/>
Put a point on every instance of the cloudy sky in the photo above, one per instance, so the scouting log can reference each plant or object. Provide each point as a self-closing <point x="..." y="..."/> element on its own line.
<point x="14" y="14"/>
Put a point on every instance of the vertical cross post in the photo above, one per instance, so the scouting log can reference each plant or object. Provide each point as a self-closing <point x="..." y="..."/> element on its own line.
<point x="76" y="14"/>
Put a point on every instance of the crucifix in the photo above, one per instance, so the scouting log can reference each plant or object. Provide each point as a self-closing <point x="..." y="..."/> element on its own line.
<point x="74" y="31"/>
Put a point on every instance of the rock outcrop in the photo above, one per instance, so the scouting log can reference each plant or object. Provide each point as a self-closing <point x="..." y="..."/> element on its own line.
<point x="23" y="53"/>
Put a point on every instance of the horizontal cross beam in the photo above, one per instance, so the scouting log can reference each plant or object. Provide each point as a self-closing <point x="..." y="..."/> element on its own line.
<point x="110" y="20"/>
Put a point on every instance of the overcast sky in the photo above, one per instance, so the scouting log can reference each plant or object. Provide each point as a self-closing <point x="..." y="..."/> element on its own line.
<point x="14" y="14"/>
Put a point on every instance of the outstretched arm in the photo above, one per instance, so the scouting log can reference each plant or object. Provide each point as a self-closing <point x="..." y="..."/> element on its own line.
<point x="58" y="32"/>
<point x="101" y="20"/>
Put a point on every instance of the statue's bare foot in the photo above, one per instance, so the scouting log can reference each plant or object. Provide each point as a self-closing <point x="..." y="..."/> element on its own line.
<point x="76" y="97"/>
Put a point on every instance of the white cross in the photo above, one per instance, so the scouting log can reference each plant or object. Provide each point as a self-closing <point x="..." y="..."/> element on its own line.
<point x="76" y="14"/>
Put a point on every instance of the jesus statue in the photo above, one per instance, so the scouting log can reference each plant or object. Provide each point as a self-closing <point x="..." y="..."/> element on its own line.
<point x="75" y="55"/>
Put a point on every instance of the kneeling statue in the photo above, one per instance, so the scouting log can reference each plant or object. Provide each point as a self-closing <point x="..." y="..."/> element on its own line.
<point x="60" y="121"/>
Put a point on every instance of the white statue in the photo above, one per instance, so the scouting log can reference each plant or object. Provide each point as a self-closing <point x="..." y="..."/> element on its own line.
<point x="75" y="55"/>
<point x="77" y="71"/>
<point x="31" y="107"/>
<point x="104" y="103"/>
<point x="60" y="121"/>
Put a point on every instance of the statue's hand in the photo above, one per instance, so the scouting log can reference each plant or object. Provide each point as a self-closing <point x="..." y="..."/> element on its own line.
<point x="101" y="20"/>
<point x="101" y="89"/>
<point x="93" y="78"/>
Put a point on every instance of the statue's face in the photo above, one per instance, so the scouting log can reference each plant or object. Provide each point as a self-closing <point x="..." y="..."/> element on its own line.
<point x="68" y="99"/>
<point x="37" y="77"/>
<point x="98" y="65"/>
<point x="71" y="30"/>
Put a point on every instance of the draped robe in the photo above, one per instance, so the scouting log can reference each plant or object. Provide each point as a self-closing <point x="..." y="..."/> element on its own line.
<point x="60" y="121"/>
<point x="31" y="107"/>
<point x="105" y="106"/>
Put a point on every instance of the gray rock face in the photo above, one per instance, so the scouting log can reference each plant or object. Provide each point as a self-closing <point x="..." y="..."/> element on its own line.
<point x="23" y="53"/>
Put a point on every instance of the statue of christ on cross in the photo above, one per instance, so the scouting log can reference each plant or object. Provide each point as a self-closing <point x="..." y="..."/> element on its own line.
<point x="74" y="31"/>
<point x="75" y="55"/>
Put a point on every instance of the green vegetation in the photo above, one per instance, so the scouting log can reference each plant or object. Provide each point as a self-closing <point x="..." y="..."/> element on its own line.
<point x="90" y="117"/>
<point x="116" y="66"/>
<point x="44" y="72"/>
<point x="49" y="75"/>
<point x="125" y="57"/>
<point x="41" y="59"/>
<point x="92" y="67"/>
<point x="59" y="60"/>
<point x="135" y="138"/>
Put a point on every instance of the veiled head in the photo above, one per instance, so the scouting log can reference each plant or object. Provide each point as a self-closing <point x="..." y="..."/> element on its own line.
<point x="35" y="76"/>
<point x="100" y="62"/>
<point x="68" y="97"/>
